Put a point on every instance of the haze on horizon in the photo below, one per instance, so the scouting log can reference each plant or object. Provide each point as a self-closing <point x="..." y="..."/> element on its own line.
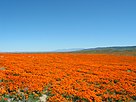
<point x="32" y="25"/>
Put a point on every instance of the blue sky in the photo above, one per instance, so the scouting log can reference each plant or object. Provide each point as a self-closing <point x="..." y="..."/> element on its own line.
<point x="45" y="25"/>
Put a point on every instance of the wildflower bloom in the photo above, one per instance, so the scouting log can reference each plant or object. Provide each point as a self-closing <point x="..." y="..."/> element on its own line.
<point x="63" y="77"/>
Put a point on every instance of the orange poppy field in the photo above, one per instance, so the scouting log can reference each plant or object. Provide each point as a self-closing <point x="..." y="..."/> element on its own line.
<point x="66" y="77"/>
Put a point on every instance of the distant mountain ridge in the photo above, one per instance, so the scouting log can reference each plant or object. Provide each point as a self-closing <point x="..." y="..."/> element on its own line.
<point x="122" y="50"/>
<point x="68" y="50"/>
<point x="113" y="48"/>
<point x="119" y="48"/>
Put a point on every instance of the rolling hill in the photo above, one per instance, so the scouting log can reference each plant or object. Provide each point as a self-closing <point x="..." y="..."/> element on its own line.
<point x="121" y="50"/>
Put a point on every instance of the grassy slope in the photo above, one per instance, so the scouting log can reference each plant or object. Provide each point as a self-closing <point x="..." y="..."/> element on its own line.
<point x="111" y="50"/>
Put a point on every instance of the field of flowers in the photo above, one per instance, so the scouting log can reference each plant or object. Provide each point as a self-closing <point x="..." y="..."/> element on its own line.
<point x="67" y="77"/>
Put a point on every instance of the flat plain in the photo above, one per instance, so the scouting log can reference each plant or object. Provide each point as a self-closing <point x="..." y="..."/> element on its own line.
<point x="67" y="77"/>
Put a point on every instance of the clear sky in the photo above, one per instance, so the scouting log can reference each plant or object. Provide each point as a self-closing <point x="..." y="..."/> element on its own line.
<point x="44" y="25"/>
